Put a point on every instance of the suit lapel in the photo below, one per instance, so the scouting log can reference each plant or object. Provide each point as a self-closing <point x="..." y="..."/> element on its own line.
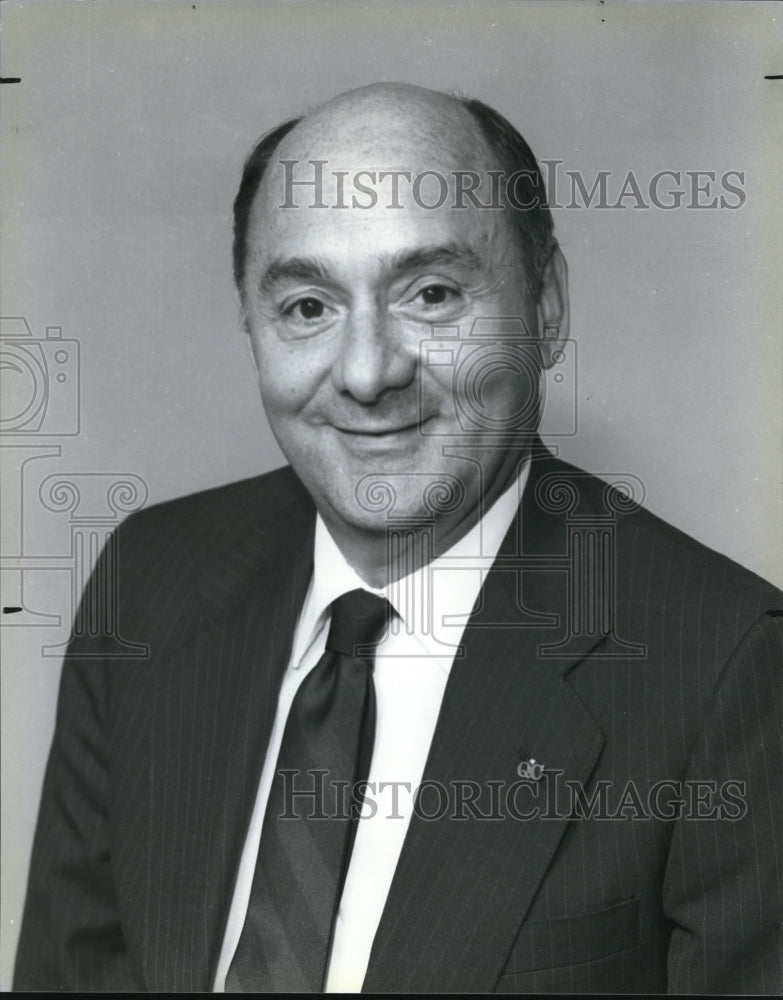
<point x="463" y="885"/>
<point x="214" y="705"/>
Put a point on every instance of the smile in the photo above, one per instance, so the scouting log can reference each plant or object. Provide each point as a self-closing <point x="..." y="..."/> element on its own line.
<point x="397" y="440"/>
<point x="379" y="432"/>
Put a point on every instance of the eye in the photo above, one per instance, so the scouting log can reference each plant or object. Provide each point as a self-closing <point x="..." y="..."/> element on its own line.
<point x="306" y="314"/>
<point x="308" y="308"/>
<point x="430" y="300"/>
<point x="435" y="295"/>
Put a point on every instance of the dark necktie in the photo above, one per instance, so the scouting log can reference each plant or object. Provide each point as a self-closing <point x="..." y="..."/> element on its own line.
<point x="306" y="838"/>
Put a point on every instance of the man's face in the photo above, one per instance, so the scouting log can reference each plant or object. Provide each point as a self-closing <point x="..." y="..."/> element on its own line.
<point x="343" y="306"/>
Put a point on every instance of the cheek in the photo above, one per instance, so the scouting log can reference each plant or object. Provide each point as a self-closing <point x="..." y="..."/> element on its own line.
<point x="289" y="376"/>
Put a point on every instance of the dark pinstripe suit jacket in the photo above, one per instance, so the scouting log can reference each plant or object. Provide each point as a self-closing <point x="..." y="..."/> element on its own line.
<point x="155" y="763"/>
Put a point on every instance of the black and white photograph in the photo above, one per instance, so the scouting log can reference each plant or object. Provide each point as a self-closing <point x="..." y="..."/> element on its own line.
<point x="390" y="429"/>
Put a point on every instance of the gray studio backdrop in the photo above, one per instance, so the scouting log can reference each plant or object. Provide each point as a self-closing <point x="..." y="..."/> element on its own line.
<point x="122" y="146"/>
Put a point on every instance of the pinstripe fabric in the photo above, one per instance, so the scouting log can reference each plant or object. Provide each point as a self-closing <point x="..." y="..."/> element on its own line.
<point x="305" y="842"/>
<point x="155" y="766"/>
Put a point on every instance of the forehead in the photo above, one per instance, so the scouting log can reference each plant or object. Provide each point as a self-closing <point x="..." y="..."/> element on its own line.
<point x="375" y="179"/>
<point x="395" y="129"/>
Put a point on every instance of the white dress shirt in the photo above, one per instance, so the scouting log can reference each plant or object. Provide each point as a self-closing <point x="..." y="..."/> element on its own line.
<point x="411" y="669"/>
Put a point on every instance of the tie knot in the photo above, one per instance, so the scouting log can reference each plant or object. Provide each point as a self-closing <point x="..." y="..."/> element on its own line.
<point x="358" y="619"/>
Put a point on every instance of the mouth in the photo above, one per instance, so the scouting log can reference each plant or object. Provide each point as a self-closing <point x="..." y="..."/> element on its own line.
<point x="380" y="432"/>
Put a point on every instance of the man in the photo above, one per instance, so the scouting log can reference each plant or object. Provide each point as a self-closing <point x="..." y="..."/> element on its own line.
<point x="562" y="770"/>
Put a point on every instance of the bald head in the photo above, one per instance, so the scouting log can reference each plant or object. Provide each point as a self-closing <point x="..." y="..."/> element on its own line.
<point x="384" y="117"/>
<point x="420" y="136"/>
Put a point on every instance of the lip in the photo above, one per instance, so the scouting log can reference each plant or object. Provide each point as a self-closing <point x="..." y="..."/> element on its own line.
<point x="394" y="442"/>
<point x="379" y="432"/>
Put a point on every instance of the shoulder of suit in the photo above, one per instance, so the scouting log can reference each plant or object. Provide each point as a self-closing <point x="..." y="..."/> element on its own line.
<point x="235" y="505"/>
<point x="718" y="571"/>
<point x="181" y="561"/>
<point x="190" y="532"/>
<point x="644" y="537"/>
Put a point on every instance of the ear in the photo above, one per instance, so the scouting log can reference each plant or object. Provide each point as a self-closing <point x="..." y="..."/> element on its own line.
<point x="244" y="322"/>
<point x="250" y="344"/>
<point x="553" y="310"/>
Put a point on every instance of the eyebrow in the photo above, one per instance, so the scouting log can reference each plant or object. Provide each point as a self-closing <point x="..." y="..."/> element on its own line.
<point x="403" y="262"/>
<point x="292" y="269"/>
<point x="449" y="254"/>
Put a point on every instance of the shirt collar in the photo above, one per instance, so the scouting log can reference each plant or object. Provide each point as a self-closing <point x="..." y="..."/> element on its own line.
<point x="454" y="594"/>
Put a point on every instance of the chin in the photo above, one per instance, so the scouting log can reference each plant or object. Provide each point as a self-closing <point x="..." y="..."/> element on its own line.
<point x="428" y="499"/>
<point x="352" y="519"/>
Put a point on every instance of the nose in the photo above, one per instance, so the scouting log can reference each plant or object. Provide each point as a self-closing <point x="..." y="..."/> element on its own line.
<point x="374" y="355"/>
